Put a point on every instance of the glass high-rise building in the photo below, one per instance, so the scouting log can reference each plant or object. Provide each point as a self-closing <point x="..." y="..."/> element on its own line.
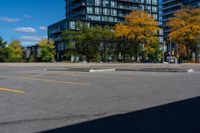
<point x="107" y="10"/>
<point x="169" y="7"/>
<point x="97" y="12"/>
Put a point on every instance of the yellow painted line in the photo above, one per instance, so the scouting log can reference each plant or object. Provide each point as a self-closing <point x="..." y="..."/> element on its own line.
<point x="56" y="81"/>
<point x="90" y="76"/>
<point x="11" y="90"/>
<point x="51" y="81"/>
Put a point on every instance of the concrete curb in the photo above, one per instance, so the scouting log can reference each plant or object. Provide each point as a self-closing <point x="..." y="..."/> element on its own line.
<point x="155" y="70"/>
<point x="190" y="71"/>
<point x="102" y="70"/>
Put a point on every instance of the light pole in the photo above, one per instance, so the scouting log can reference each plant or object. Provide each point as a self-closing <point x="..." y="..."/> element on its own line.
<point x="163" y="50"/>
<point x="177" y="53"/>
<point x="170" y="48"/>
<point x="198" y="47"/>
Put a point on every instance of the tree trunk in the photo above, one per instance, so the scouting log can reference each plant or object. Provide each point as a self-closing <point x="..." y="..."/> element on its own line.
<point x="132" y="52"/>
<point x="196" y="57"/>
<point x="188" y="53"/>
<point x="124" y="54"/>
<point x="87" y="55"/>
<point x="104" y="47"/>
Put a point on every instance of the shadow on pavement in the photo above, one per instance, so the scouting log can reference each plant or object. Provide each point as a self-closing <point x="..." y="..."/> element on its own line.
<point x="178" y="117"/>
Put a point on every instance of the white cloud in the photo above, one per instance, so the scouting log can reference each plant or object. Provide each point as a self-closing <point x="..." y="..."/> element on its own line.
<point x="7" y="19"/>
<point x="25" y="29"/>
<point x="27" y="16"/>
<point x="27" y="43"/>
<point x="43" y="28"/>
<point x="31" y="38"/>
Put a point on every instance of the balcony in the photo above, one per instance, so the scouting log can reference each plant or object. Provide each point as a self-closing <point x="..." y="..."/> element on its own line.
<point x="172" y="6"/>
<point x="132" y="1"/>
<point x="128" y="7"/>
<point x="168" y="1"/>
<point x="170" y="12"/>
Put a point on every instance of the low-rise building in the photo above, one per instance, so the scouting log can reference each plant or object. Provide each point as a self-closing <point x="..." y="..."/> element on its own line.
<point x="33" y="53"/>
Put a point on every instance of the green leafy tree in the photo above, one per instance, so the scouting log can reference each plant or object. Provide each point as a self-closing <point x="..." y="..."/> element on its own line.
<point x="107" y="39"/>
<point x="90" y="42"/>
<point x="47" y="53"/>
<point x="69" y="38"/>
<point x="15" y="51"/>
<point x="152" y="52"/>
<point x="31" y="59"/>
<point x="3" y="50"/>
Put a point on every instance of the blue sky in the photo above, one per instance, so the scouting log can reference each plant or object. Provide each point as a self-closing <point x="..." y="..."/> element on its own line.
<point x="27" y="20"/>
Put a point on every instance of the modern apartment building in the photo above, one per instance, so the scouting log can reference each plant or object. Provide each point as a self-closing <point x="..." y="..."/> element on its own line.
<point x="97" y="12"/>
<point x="172" y="6"/>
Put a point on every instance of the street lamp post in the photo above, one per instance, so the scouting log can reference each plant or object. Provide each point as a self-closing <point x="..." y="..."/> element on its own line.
<point x="163" y="50"/>
<point x="177" y="53"/>
<point x="170" y="45"/>
<point x="198" y="47"/>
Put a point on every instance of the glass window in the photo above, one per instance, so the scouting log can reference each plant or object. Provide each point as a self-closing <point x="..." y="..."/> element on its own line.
<point x="148" y="8"/>
<point x="97" y="18"/>
<point x="154" y="8"/>
<point x="111" y="19"/>
<point x="105" y="3"/>
<point x="121" y="14"/>
<point x="120" y="5"/>
<point x="72" y="25"/>
<point x="89" y="17"/>
<point x="142" y="7"/>
<point x="89" y="2"/>
<point x="155" y="2"/>
<point x="114" y="4"/>
<point x="113" y="12"/>
<point x="106" y="11"/>
<point x="104" y="18"/>
<point x="98" y="10"/>
<point x="148" y="1"/>
<point x="89" y="10"/>
<point x="97" y="2"/>
<point x="155" y="16"/>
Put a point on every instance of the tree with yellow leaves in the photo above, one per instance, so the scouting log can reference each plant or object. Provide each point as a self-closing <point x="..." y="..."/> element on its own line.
<point x="185" y="30"/>
<point x="140" y="28"/>
<point x="47" y="50"/>
<point x="15" y="50"/>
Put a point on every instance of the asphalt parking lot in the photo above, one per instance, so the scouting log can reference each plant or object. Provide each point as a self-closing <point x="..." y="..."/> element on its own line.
<point x="33" y="99"/>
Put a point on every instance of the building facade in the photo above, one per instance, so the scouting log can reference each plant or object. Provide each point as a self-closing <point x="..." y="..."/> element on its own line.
<point x="169" y="7"/>
<point x="32" y="53"/>
<point x="97" y="12"/>
<point x="172" y="6"/>
<point x="107" y="10"/>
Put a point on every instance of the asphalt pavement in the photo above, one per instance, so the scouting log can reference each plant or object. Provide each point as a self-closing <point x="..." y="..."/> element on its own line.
<point x="33" y="99"/>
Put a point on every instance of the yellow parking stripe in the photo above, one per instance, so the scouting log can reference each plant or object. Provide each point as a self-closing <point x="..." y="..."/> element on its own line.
<point x="47" y="80"/>
<point x="11" y="90"/>
<point x="56" y="81"/>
